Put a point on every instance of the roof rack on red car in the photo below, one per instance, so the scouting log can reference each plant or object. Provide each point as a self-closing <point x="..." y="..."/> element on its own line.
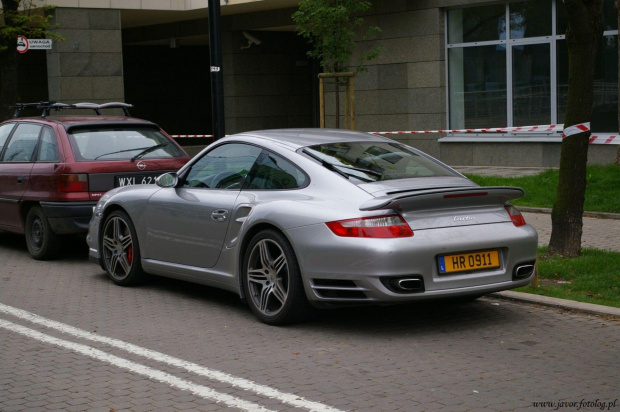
<point x="47" y="107"/>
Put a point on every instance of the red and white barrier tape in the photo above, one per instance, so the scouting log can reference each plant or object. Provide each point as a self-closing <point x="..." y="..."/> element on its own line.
<point x="615" y="139"/>
<point x="569" y="131"/>
<point x="545" y="128"/>
<point x="179" y="136"/>
<point x="576" y="129"/>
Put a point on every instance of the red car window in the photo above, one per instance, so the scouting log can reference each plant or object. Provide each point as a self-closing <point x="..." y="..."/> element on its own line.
<point x="22" y="144"/>
<point x="48" y="147"/>
<point x="5" y="131"/>
<point x="120" y="143"/>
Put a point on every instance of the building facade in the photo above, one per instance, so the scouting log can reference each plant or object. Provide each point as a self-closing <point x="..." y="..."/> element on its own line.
<point x="445" y="64"/>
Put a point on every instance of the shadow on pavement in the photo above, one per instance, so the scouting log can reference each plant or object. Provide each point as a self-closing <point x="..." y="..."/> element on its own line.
<point x="73" y="248"/>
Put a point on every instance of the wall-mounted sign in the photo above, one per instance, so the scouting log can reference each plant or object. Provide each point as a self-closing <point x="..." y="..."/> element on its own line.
<point x="24" y="44"/>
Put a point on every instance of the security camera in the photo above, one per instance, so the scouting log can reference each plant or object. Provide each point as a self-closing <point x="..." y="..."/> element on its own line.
<point x="251" y="40"/>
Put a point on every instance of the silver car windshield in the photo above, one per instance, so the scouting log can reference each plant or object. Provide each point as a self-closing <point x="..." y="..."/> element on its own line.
<point x="116" y="143"/>
<point x="373" y="161"/>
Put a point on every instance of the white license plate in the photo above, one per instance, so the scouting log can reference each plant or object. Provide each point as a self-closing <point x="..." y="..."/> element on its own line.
<point x="130" y="180"/>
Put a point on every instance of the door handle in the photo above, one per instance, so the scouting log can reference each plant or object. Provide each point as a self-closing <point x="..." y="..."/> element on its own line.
<point x="219" y="215"/>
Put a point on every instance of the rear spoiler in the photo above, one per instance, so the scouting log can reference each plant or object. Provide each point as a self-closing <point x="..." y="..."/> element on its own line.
<point x="445" y="198"/>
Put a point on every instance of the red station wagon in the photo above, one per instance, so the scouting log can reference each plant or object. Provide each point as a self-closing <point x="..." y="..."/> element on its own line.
<point x="53" y="169"/>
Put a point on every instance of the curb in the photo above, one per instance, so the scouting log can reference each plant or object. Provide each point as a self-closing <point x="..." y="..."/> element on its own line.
<point x="565" y="304"/>
<point x="600" y="215"/>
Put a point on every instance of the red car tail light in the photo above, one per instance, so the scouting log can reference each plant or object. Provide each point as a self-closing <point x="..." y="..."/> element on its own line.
<point x="516" y="216"/>
<point x="73" y="183"/>
<point x="390" y="226"/>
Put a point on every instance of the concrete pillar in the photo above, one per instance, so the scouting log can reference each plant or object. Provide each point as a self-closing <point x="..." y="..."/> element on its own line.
<point x="88" y="65"/>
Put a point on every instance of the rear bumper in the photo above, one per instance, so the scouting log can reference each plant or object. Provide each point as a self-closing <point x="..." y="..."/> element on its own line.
<point x="68" y="217"/>
<point x="363" y="270"/>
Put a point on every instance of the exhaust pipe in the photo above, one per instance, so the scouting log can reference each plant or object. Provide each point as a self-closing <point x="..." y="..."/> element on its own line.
<point x="409" y="285"/>
<point x="523" y="270"/>
<point x="404" y="284"/>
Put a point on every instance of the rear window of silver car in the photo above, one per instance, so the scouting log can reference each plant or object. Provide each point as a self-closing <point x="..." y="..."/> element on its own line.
<point x="373" y="161"/>
<point x="120" y="143"/>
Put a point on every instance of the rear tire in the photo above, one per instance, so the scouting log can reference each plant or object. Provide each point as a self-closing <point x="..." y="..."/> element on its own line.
<point x="272" y="280"/>
<point x="42" y="242"/>
<point x="120" y="250"/>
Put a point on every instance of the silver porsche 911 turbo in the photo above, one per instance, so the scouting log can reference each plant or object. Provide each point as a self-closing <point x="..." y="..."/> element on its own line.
<point x="302" y="218"/>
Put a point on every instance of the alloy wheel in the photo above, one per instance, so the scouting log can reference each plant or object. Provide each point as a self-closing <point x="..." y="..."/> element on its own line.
<point x="268" y="277"/>
<point x="117" y="247"/>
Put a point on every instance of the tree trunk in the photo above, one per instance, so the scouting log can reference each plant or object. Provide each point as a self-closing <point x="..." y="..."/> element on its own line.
<point x="8" y="63"/>
<point x="585" y="30"/>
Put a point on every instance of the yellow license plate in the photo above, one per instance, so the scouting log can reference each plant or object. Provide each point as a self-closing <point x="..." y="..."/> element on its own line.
<point x="468" y="261"/>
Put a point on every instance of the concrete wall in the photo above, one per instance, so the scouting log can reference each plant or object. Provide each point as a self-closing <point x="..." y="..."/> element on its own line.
<point x="274" y="84"/>
<point x="88" y="66"/>
<point x="404" y="88"/>
<point x="268" y="85"/>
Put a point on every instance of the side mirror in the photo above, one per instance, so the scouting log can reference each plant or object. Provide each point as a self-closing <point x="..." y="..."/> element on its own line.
<point x="167" y="180"/>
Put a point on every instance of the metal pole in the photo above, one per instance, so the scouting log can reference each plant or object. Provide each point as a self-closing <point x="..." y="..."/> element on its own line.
<point x="217" y="76"/>
<point x="322" y="102"/>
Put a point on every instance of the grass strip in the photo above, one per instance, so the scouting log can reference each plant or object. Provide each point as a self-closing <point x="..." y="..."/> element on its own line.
<point x="594" y="277"/>
<point x="602" y="191"/>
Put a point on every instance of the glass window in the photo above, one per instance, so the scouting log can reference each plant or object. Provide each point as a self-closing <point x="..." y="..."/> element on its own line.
<point x="475" y="24"/>
<point x="48" y="148"/>
<point x="562" y="78"/>
<point x="21" y="146"/>
<point x="530" y="19"/>
<point x="5" y="131"/>
<point x="531" y="84"/>
<point x="561" y="17"/>
<point x="477" y="87"/>
<point x="274" y="172"/>
<point x="372" y="161"/>
<point x="605" y="106"/>
<point x="480" y="96"/>
<point x="120" y="143"/>
<point x="610" y="18"/>
<point x="224" y="167"/>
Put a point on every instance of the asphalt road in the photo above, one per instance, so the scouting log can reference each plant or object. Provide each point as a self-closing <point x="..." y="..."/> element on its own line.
<point x="71" y="340"/>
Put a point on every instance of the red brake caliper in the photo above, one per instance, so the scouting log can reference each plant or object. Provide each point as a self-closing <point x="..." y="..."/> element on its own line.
<point x="130" y="254"/>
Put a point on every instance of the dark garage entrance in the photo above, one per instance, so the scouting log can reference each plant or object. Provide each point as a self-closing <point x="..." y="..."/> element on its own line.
<point x="170" y="86"/>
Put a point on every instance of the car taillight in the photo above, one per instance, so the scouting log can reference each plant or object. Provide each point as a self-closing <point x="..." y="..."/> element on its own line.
<point x="516" y="216"/>
<point x="73" y="183"/>
<point x="378" y="227"/>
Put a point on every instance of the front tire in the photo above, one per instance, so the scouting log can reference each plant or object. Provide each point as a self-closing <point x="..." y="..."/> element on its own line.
<point x="120" y="250"/>
<point x="42" y="242"/>
<point x="272" y="280"/>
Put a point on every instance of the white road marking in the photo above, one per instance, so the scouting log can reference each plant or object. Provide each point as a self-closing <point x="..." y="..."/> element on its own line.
<point x="163" y="377"/>
<point x="237" y="382"/>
